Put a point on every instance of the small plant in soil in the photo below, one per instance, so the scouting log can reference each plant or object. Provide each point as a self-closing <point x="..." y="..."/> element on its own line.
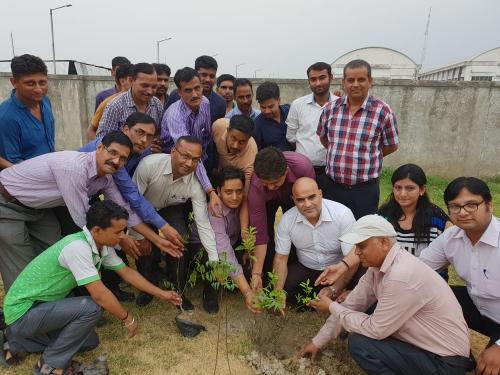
<point x="248" y="244"/>
<point x="217" y="273"/>
<point x="308" y="294"/>
<point x="270" y="298"/>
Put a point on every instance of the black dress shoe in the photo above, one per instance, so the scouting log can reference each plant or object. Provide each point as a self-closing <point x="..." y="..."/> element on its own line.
<point x="210" y="303"/>
<point x="143" y="299"/>
<point x="187" y="305"/>
<point x="123" y="296"/>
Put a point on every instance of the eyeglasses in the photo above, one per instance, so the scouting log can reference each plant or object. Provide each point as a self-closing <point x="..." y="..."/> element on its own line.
<point x="469" y="207"/>
<point x="115" y="154"/>
<point x="141" y="134"/>
<point x="185" y="157"/>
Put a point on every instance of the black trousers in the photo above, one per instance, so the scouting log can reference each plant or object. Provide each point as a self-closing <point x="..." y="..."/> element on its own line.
<point x="473" y="317"/>
<point x="178" y="269"/>
<point x="361" y="199"/>
<point x="394" y="357"/>
<point x="298" y="273"/>
<point x="272" y="209"/>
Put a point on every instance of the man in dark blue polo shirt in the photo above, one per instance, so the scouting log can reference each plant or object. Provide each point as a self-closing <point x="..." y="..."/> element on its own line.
<point x="26" y="119"/>
<point x="270" y="125"/>
<point x="206" y="66"/>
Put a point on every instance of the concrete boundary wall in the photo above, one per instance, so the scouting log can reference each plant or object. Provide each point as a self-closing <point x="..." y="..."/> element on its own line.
<point x="448" y="128"/>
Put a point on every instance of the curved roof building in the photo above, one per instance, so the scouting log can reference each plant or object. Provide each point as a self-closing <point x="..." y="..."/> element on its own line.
<point x="385" y="62"/>
<point x="483" y="67"/>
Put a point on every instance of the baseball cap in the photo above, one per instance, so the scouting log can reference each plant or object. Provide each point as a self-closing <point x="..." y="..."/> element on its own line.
<point x="366" y="227"/>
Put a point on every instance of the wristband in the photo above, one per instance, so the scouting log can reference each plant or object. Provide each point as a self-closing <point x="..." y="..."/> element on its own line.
<point x="257" y="273"/>
<point x="210" y="191"/>
<point x="346" y="264"/>
<point x="126" y="316"/>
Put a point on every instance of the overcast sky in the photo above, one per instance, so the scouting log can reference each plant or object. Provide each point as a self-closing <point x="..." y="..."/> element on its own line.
<point x="276" y="37"/>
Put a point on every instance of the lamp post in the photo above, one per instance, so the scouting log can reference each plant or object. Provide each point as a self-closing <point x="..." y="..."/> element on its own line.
<point x="255" y="72"/>
<point x="158" y="48"/>
<point x="237" y="65"/>
<point x="52" y="33"/>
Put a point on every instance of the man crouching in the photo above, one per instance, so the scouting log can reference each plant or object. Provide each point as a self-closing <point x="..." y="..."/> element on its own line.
<point x="417" y="326"/>
<point x="38" y="315"/>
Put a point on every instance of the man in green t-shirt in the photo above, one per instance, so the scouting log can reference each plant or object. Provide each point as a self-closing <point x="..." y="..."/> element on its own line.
<point x="38" y="316"/>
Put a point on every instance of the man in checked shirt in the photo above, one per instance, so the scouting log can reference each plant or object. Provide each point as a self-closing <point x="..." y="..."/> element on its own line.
<point x="358" y="131"/>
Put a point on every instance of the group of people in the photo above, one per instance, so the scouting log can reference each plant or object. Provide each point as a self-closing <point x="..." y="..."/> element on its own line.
<point x="165" y="174"/>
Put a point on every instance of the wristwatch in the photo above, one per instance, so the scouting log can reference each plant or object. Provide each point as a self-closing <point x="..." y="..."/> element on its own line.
<point x="334" y="291"/>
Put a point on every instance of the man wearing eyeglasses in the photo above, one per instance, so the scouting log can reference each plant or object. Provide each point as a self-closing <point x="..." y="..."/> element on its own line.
<point x="472" y="246"/>
<point x="140" y="128"/>
<point x="168" y="182"/>
<point x="60" y="178"/>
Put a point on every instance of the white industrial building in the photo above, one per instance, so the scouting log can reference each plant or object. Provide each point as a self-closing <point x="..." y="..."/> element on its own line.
<point x="483" y="67"/>
<point x="385" y="62"/>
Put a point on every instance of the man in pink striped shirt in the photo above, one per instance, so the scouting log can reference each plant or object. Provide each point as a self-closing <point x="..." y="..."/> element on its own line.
<point x="417" y="326"/>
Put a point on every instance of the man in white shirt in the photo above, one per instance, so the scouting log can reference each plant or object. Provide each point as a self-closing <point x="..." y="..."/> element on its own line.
<point x="313" y="227"/>
<point x="168" y="182"/>
<point x="303" y="117"/>
<point x="473" y="248"/>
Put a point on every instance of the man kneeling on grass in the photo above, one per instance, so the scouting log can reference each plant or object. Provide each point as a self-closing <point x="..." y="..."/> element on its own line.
<point x="38" y="316"/>
<point x="417" y="326"/>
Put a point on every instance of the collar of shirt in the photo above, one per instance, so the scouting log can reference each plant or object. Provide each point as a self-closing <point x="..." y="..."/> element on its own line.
<point x="237" y="111"/>
<point x="389" y="258"/>
<point x="225" y="209"/>
<point x="168" y="170"/>
<point x="367" y="102"/>
<point x="324" y="215"/>
<point x="186" y="111"/>
<point x="19" y="103"/>
<point x="491" y="235"/>
<point x="310" y="99"/>
<point x="99" y="255"/>
<point x="129" y="100"/>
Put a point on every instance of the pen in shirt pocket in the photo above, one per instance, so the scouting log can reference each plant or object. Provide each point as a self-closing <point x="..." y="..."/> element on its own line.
<point x="485" y="273"/>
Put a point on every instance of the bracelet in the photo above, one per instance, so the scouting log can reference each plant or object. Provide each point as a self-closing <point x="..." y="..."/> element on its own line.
<point x="210" y="191"/>
<point x="128" y="325"/>
<point x="257" y="273"/>
<point x="347" y="265"/>
<point x="126" y="316"/>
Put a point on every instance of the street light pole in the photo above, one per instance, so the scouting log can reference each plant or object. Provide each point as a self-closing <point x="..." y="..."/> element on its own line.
<point x="237" y="65"/>
<point x="158" y="48"/>
<point x="255" y="72"/>
<point x="52" y="34"/>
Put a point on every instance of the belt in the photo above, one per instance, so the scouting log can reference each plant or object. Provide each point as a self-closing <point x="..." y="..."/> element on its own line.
<point x="358" y="185"/>
<point x="468" y="363"/>
<point x="9" y="198"/>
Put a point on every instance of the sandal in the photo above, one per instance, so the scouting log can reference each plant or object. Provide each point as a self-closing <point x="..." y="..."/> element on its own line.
<point x="41" y="368"/>
<point x="15" y="359"/>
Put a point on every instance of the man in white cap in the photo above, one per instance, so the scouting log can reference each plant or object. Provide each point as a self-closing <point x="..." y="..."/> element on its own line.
<point x="417" y="326"/>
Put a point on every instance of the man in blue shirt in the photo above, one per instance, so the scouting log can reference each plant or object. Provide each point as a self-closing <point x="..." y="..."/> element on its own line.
<point x="243" y="95"/>
<point x="206" y="66"/>
<point x="270" y="125"/>
<point x="115" y="63"/>
<point x="26" y="119"/>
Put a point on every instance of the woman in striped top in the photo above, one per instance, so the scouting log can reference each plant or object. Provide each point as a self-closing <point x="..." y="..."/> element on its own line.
<point x="416" y="220"/>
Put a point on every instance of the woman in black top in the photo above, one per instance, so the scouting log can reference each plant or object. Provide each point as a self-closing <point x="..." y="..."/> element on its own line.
<point x="416" y="220"/>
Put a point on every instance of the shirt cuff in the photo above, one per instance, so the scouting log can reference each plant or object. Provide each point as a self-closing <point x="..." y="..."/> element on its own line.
<point x="336" y="308"/>
<point x="498" y="342"/>
<point x="158" y="221"/>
